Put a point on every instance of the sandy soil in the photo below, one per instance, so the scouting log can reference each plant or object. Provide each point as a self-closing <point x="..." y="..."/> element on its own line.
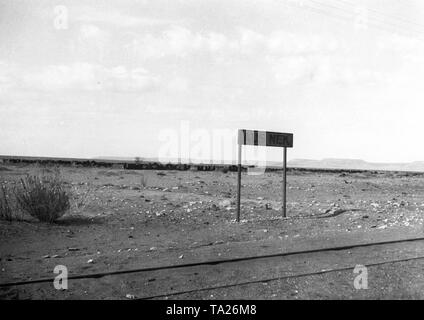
<point x="132" y="219"/>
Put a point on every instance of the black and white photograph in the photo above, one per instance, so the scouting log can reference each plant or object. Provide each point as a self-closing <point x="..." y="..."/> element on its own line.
<point x="233" y="151"/>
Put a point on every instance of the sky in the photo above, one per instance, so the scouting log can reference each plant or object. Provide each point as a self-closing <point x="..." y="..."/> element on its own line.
<point x="178" y="78"/>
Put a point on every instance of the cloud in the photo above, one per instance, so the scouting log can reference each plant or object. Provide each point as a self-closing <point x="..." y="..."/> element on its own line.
<point x="7" y="78"/>
<point x="114" y="17"/>
<point x="90" y="31"/>
<point x="292" y="58"/>
<point x="89" y="77"/>
<point x="180" y="41"/>
<point x="176" y="41"/>
<point x="324" y="70"/>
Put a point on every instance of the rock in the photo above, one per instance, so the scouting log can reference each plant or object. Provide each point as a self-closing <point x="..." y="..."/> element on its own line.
<point x="90" y="261"/>
<point x="130" y="296"/>
<point x="225" y="203"/>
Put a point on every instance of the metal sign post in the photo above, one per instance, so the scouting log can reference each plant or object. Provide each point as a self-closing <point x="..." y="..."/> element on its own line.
<point x="284" y="181"/>
<point x="269" y="139"/>
<point x="238" y="182"/>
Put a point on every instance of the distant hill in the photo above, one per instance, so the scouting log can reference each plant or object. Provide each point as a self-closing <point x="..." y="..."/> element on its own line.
<point x="328" y="163"/>
<point x="356" y="164"/>
<point x="352" y="164"/>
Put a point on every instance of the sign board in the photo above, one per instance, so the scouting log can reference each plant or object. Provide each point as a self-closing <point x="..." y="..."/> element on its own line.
<point x="265" y="138"/>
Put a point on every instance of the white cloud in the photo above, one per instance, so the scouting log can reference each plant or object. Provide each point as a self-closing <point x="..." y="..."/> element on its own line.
<point x="7" y="78"/>
<point x="176" y="41"/>
<point x="91" y="77"/>
<point x="90" y="31"/>
<point x="115" y="18"/>
<point x="61" y="77"/>
<point x="324" y="70"/>
<point x="181" y="42"/>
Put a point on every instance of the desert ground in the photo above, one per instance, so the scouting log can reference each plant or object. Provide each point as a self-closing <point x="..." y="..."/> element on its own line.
<point x="128" y="219"/>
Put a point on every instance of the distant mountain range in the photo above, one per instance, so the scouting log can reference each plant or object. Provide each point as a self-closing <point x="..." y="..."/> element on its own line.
<point x="356" y="164"/>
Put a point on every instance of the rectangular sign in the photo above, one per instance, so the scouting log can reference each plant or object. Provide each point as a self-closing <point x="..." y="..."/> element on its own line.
<point x="265" y="138"/>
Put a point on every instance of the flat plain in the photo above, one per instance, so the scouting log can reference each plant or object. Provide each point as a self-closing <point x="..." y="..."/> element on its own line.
<point x="132" y="219"/>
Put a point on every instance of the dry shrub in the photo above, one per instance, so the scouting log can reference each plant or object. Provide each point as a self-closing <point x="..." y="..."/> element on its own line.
<point x="43" y="197"/>
<point x="80" y="199"/>
<point x="222" y="169"/>
<point x="6" y="212"/>
<point x="143" y="181"/>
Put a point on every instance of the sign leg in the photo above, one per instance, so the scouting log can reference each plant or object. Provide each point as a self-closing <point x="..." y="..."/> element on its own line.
<point x="238" y="183"/>
<point x="284" y="181"/>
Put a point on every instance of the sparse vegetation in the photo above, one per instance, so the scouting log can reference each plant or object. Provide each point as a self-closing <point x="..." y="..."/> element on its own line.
<point x="80" y="200"/>
<point x="43" y="197"/>
<point x="223" y="169"/>
<point x="143" y="181"/>
<point x="6" y="212"/>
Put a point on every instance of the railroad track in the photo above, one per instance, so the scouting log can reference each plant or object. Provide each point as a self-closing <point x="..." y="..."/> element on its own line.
<point x="265" y="280"/>
<point x="218" y="262"/>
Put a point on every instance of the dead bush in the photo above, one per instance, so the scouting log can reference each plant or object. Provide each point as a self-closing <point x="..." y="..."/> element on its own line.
<point x="6" y="212"/>
<point x="43" y="197"/>
<point x="143" y="181"/>
<point x="222" y="169"/>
